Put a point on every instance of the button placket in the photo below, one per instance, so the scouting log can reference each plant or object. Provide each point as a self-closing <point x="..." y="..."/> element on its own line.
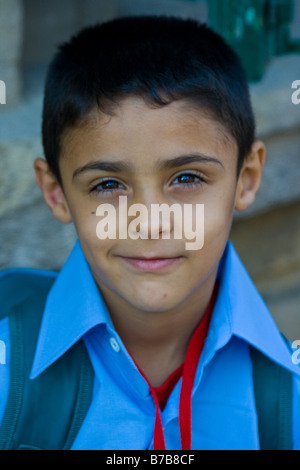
<point x="114" y="344"/>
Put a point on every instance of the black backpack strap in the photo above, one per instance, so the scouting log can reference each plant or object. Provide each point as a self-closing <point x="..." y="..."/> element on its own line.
<point x="273" y="389"/>
<point x="47" y="412"/>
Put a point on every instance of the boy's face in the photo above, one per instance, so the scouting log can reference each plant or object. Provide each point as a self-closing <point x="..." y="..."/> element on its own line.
<point x="141" y="147"/>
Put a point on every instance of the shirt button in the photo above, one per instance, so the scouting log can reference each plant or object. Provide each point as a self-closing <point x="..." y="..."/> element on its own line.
<point x="114" y="344"/>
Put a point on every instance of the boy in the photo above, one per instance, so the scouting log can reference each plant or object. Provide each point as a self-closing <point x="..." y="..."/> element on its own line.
<point x="155" y="110"/>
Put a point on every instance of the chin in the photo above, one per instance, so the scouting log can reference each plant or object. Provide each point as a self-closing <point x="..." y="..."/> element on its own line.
<point x="152" y="305"/>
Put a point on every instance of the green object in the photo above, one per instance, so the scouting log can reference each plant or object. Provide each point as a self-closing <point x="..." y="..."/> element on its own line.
<point x="258" y="30"/>
<point x="46" y="413"/>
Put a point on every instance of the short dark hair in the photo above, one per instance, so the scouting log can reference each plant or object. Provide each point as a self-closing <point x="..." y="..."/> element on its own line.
<point x="156" y="57"/>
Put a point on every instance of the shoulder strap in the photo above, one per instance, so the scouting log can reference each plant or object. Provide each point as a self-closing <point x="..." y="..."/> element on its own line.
<point x="47" y="412"/>
<point x="273" y="389"/>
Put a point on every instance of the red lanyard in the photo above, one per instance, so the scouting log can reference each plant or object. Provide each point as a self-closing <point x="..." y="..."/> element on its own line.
<point x="188" y="377"/>
<point x="185" y="400"/>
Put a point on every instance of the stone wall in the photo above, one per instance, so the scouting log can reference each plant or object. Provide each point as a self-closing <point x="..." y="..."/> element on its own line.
<point x="11" y="27"/>
<point x="269" y="245"/>
<point x="266" y="236"/>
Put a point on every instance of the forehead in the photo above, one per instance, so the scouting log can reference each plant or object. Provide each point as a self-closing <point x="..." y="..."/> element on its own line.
<point x="141" y="134"/>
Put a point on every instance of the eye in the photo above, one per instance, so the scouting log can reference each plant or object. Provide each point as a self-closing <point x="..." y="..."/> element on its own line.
<point x="188" y="180"/>
<point x="106" y="187"/>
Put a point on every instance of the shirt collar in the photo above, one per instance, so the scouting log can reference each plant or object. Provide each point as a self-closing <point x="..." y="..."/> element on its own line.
<point x="240" y="311"/>
<point x="75" y="305"/>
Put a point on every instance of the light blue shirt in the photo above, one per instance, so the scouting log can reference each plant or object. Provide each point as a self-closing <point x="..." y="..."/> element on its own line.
<point x="122" y="412"/>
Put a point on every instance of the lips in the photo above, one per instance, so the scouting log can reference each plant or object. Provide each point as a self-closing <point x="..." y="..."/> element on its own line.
<point x="150" y="264"/>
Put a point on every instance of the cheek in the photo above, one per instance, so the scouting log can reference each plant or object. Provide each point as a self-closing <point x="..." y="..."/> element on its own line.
<point x="95" y="250"/>
<point x="217" y="220"/>
<point x="97" y="255"/>
<point x="87" y="235"/>
<point x="85" y="221"/>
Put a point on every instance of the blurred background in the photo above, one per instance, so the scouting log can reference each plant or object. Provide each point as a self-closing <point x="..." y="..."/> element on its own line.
<point x="266" y="35"/>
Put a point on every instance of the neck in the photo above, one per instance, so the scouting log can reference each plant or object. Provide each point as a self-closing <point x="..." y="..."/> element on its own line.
<point x="158" y="341"/>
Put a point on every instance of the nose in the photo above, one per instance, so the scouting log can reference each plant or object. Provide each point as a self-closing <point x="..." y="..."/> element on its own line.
<point x="149" y="222"/>
<point x="154" y="224"/>
<point x="152" y="218"/>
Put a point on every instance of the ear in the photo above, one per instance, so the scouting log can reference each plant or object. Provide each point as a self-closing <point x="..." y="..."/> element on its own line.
<point x="250" y="176"/>
<point x="52" y="191"/>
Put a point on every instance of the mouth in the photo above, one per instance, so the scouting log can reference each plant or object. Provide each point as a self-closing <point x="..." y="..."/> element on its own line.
<point x="152" y="264"/>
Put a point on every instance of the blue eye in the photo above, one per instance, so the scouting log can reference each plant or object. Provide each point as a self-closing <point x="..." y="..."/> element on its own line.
<point x="107" y="186"/>
<point x="188" y="180"/>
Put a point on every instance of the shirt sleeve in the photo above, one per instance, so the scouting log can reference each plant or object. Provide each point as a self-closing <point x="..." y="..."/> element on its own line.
<point x="4" y="365"/>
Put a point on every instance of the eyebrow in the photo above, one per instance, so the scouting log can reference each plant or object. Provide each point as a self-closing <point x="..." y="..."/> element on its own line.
<point x="114" y="167"/>
<point x="120" y="165"/>
<point x="186" y="159"/>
